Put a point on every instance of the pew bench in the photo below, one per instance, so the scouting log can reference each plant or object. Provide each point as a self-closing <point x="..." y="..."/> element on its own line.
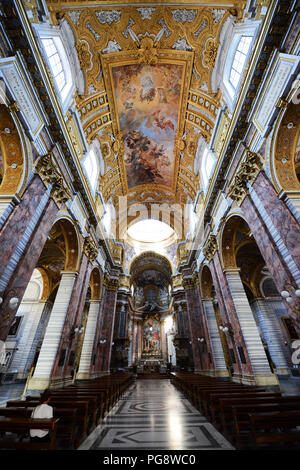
<point x="21" y="427"/>
<point x="277" y="428"/>
<point x="241" y="417"/>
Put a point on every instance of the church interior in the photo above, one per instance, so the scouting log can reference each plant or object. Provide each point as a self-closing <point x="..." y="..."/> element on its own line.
<point x="149" y="223"/>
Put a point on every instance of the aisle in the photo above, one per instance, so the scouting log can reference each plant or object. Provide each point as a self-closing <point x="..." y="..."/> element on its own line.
<point x="154" y="415"/>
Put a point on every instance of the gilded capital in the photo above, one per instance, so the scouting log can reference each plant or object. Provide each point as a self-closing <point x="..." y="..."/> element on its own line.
<point x="90" y="249"/>
<point x="210" y="247"/>
<point x="246" y="174"/>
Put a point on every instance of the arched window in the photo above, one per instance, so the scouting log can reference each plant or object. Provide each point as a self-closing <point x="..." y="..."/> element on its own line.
<point x="55" y="63"/>
<point x="91" y="168"/>
<point x="207" y="165"/>
<point x="239" y="60"/>
<point x="237" y="50"/>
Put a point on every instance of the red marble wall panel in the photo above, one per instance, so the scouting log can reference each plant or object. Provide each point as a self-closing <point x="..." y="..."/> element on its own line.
<point x="107" y="329"/>
<point x="228" y="314"/>
<point x="274" y="262"/>
<point x="200" y="356"/>
<point x="283" y="220"/>
<point x="76" y="304"/>
<point x="26" y="265"/>
<point x="15" y="226"/>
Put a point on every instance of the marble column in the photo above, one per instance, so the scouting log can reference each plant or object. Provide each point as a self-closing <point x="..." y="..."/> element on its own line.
<point x="20" y="277"/>
<point x="75" y="313"/>
<point x="227" y="314"/>
<point x="220" y="368"/>
<point x="200" y="355"/>
<point x="282" y="268"/>
<point x="42" y="375"/>
<point x="283" y="226"/>
<point x="21" y="223"/>
<point x="20" y="359"/>
<point x="255" y="349"/>
<point x="107" y="327"/>
<point x="88" y="342"/>
<point x="271" y="331"/>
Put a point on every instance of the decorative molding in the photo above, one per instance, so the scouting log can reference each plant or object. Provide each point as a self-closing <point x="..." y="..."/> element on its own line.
<point x="247" y="173"/>
<point x="49" y="174"/>
<point x="90" y="249"/>
<point x="211" y="247"/>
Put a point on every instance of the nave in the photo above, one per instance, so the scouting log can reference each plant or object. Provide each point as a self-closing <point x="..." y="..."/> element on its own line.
<point x="154" y="415"/>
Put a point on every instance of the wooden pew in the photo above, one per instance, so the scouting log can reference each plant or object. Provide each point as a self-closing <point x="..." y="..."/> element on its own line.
<point x="66" y="427"/>
<point x="214" y="406"/>
<point x="21" y="426"/>
<point x="242" y="420"/>
<point x="272" y="428"/>
<point x="226" y="423"/>
<point x="81" y="408"/>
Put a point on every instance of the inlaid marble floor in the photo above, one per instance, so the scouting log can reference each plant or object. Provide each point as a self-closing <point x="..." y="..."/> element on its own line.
<point x="154" y="415"/>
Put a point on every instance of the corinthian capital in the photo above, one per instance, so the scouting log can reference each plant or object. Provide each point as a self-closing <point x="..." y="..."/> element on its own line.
<point x="90" y="249"/>
<point x="210" y="247"/>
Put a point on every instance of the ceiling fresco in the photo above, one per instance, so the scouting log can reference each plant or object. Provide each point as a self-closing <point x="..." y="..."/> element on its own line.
<point x="148" y="95"/>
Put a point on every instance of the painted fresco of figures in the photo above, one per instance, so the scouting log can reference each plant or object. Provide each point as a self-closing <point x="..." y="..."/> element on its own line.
<point x="148" y="100"/>
<point x="151" y="336"/>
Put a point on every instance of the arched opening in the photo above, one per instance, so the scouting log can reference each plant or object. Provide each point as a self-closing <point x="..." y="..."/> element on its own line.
<point x="249" y="276"/>
<point x="40" y="301"/>
<point x="151" y="314"/>
<point x="12" y="163"/>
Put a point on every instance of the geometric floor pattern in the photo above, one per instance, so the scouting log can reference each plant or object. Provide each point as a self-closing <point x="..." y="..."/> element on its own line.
<point x="154" y="415"/>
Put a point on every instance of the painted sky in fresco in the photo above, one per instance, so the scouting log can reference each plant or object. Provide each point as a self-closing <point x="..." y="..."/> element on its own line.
<point x="148" y="100"/>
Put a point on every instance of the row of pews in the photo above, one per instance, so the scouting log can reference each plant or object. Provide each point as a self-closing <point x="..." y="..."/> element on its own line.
<point x="250" y="417"/>
<point x="77" y="410"/>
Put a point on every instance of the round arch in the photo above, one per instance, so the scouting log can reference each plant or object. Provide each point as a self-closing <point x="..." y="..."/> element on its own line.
<point x="160" y="262"/>
<point x="206" y="282"/>
<point x="96" y="284"/>
<point x="72" y="241"/>
<point x="284" y="162"/>
<point x="14" y="161"/>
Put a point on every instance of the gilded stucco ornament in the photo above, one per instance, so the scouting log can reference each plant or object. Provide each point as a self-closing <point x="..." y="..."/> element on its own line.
<point x="211" y="247"/>
<point x="147" y="53"/>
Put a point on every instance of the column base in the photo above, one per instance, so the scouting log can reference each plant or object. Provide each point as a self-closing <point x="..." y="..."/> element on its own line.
<point x="83" y="376"/>
<point x="38" y="383"/>
<point x="213" y="373"/>
<point x="283" y="371"/>
<point x="259" y="379"/>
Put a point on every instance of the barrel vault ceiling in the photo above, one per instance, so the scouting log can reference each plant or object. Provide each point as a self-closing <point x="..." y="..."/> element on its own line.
<point x="147" y="96"/>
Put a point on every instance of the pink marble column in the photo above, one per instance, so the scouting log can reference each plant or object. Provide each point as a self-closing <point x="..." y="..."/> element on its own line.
<point x="15" y="226"/>
<point x="228" y="315"/>
<point x="107" y="329"/>
<point x="22" y="274"/>
<point x="73" y="317"/>
<point x="285" y="223"/>
<point x="200" y="352"/>
<point x="273" y="259"/>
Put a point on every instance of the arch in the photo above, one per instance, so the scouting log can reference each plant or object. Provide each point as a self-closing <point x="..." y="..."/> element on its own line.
<point x="96" y="284"/>
<point x="13" y="164"/>
<point x="155" y="260"/>
<point x="206" y="283"/>
<point x="72" y="241"/>
<point x="234" y="223"/>
<point x="284" y="162"/>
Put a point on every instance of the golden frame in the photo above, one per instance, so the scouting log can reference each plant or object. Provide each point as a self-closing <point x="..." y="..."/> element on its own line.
<point x="162" y="56"/>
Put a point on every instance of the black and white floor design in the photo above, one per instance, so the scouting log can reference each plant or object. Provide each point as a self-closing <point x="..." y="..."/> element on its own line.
<point x="154" y="415"/>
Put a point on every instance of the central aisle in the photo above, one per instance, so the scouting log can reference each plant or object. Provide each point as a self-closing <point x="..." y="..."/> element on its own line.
<point x="154" y="415"/>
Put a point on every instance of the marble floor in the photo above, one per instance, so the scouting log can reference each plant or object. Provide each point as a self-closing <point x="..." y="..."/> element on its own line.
<point x="154" y="415"/>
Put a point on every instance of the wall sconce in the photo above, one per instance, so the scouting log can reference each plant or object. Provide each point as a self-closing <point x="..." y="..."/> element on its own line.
<point x="13" y="302"/>
<point x="78" y="330"/>
<point x="102" y="341"/>
<point x="201" y="340"/>
<point x="290" y="295"/>
<point x="227" y="328"/>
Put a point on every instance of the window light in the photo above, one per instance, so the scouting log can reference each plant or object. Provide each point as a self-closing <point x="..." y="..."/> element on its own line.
<point x="239" y="60"/>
